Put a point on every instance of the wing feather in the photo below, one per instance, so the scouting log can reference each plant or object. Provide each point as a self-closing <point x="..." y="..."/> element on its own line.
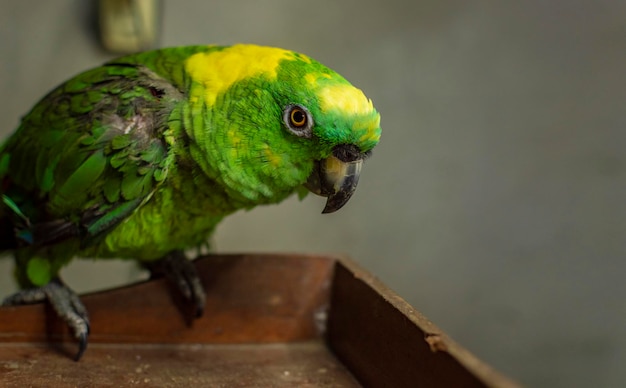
<point x="87" y="155"/>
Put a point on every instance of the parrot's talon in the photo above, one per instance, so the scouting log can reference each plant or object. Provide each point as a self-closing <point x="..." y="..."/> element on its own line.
<point x="69" y="308"/>
<point x="182" y="273"/>
<point x="28" y="296"/>
<point x="82" y="344"/>
<point x="65" y="303"/>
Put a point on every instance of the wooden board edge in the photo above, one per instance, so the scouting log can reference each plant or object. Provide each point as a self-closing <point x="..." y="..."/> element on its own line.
<point x="384" y="325"/>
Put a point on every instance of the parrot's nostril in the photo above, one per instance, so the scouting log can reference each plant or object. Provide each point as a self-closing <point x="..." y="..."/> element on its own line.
<point x="347" y="153"/>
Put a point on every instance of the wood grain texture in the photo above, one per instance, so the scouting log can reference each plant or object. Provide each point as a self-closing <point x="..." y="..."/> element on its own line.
<point x="250" y="298"/>
<point x="308" y="364"/>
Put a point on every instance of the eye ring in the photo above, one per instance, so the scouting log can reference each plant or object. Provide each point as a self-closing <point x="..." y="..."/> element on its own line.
<point x="297" y="117"/>
<point x="298" y="120"/>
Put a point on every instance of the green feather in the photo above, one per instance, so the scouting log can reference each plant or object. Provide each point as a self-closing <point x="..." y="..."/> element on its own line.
<point x="112" y="217"/>
<point x="134" y="185"/>
<point x="39" y="271"/>
<point x="111" y="189"/>
<point x="4" y="164"/>
<point x="83" y="178"/>
<point x="120" y="142"/>
<point x="14" y="208"/>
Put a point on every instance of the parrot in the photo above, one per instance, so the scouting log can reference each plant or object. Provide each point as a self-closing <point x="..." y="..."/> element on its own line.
<point x="142" y="157"/>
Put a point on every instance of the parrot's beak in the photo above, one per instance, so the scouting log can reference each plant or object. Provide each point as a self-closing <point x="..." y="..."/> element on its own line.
<point x="335" y="179"/>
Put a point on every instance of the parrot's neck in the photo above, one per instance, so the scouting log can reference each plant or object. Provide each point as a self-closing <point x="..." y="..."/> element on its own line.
<point x="226" y="171"/>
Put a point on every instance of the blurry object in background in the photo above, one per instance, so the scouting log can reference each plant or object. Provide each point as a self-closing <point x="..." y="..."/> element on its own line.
<point x="128" y="26"/>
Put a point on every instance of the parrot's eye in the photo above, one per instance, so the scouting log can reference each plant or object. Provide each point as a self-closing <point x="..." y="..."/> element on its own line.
<point x="298" y="120"/>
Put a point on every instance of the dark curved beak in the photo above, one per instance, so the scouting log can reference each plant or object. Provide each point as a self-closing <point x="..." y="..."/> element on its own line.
<point x="334" y="179"/>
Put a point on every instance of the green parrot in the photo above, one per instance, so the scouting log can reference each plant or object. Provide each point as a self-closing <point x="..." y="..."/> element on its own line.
<point x="142" y="157"/>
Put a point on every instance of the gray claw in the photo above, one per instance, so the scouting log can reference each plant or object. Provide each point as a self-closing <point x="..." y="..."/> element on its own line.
<point x="65" y="303"/>
<point x="82" y="344"/>
<point x="181" y="271"/>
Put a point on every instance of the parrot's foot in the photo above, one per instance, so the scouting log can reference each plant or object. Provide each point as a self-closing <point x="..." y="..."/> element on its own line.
<point x="65" y="303"/>
<point x="181" y="271"/>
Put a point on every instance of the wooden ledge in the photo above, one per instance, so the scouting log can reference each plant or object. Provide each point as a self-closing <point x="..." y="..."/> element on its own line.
<point x="279" y="320"/>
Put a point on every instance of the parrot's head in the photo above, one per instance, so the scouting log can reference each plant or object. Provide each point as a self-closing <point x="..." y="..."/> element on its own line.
<point x="277" y="120"/>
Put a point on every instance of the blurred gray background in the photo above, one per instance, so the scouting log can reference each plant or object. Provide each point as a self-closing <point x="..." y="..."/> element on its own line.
<point x="496" y="201"/>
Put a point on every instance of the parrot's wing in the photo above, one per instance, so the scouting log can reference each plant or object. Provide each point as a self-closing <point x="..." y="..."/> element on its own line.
<point x="87" y="155"/>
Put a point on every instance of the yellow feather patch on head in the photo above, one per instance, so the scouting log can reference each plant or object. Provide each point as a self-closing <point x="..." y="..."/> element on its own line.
<point x="351" y="101"/>
<point x="218" y="70"/>
<point x="372" y="131"/>
<point x="345" y="98"/>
